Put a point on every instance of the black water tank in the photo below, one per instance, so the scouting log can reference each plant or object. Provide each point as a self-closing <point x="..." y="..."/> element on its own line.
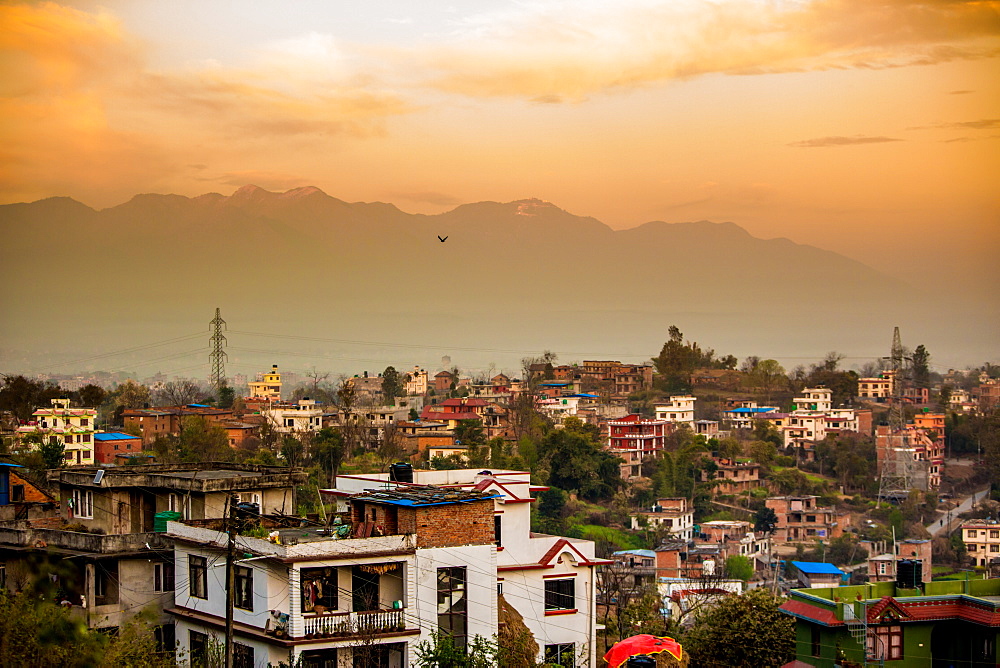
<point x="401" y="472"/>
<point x="909" y="574"/>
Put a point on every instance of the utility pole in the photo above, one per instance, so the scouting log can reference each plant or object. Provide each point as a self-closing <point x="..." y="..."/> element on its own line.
<point x="218" y="356"/>
<point x="230" y="577"/>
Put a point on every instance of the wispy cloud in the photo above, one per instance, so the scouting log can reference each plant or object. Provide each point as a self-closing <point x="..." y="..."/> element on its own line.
<point x="821" y="142"/>
<point x="570" y="50"/>
<point x="428" y="197"/>
<point x="981" y="124"/>
<point x="960" y="92"/>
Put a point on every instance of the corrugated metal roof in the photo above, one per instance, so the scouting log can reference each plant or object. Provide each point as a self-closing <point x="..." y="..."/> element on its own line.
<point x="817" y="568"/>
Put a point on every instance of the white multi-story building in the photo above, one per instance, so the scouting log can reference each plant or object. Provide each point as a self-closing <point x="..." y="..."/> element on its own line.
<point x="74" y="427"/>
<point x="675" y="514"/>
<point x="678" y="409"/>
<point x="814" y="399"/>
<point x="549" y="580"/>
<point x="305" y="415"/>
<point x="416" y="383"/>
<point x="409" y="562"/>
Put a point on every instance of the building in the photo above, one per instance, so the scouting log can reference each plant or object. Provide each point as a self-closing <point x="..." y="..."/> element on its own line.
<point x="549" y="580"/>
<point x="444" y="381"/>
<point x="946" y="623"/>
<point x="682" y="596"/>
<point x="914" y="453"/>
<point x="306" y="415"/>
<point x="415" y="383"/>
<point x="884" y="567"/>
<point x="878" y="389"/>
<point x="453" y="411"/>
<point x="679" y="410"/>
<point x="74" y="427"/>
<point x="735" y="476"/>
<point x="982" y="540"/>
<point x="688" y="560"/>
<point x="817" y="574"/>
<point x="743" y="417"/>
<point x="801" y="519"/>
<point x="674" y="514"/>
<point x="814" y="399"/>
<point x="267" y="387"/>
<point x="411" y="561"/>
<point x="21" y="499"/>
<point x="108" y="446"/>
<point x="633" y="438"/>
<point x="152" y="423"/>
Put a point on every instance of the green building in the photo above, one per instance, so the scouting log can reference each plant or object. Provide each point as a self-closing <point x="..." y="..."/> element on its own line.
<point x="947" y="624"/>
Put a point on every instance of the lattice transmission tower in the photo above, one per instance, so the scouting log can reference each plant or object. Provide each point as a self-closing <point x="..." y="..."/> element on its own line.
<point x="218" y="355"/>
<point x="898" y="464"/>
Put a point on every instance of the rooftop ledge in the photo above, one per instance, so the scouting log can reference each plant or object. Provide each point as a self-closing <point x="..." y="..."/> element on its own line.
<point x="312" y="546"/>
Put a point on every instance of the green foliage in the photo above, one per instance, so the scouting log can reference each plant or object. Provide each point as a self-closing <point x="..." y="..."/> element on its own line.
<point x="226" y="397"/>
<point x="53" y="452"/>
<point x="551" y="502"/>
<point x="678" y="360"/>
<point x="470" y="432"/>
<point x="842" y="551"/>
<point x="765" y="520"/>
<point x="199" y="441"/>
<point x="740" y="631"/>
<point x="920" y="366"/>
<point x="739" y="567"/>
<point x="576" y="461"/>
<point x="440" y="652"/>
<point x="22" y="396"/>
<point x="608" y="539"/>
<point x="328" y="452"/>
<point x="850" y="457"/>
<point x="392" y="385"/>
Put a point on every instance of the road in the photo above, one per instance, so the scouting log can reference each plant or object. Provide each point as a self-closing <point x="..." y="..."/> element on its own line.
<point x="938" y="526"/>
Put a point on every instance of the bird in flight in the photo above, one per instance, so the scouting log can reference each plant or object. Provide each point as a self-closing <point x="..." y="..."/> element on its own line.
<point x="442" y="240"/>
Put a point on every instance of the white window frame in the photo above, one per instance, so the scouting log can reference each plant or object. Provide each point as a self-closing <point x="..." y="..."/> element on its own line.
<point x="83" y="504"/>
<point x="179" y="503"/>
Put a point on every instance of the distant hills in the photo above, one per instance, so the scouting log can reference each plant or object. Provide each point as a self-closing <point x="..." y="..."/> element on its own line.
<point x="515" y="275"/>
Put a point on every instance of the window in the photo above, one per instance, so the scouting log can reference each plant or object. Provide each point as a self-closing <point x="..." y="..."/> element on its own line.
<point x="497" y="529"/>
<point x="561" y="655"/>
<point x="198" y="576"/>
<point x="319" y="589"/>
<point x="886" y="642"/>
<point x="810" y="518"/>
<point x="242" y="656"/>
<point x="994" y="533"/>
<point x="164" y="636"/>
<point x="163" y="577"/>
<point x="179" y="504"/>
<point x="86" y="438"/>
<point x="106" y="583"/>
<point x="16" y="493"/>
<point x="83" y="503"/>
<point x="560" y="594"/>
<point x="816" y="644"/>
<point x="452" y="604"/>
<point x="198" y="648"/>
<point x="971" y="547"/>
<point x="84" y="422"/>
<point x="994" y="548"/>
<point x="243" y="598"/>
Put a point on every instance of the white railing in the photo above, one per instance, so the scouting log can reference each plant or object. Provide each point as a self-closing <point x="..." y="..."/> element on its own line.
<point x="354" y="623"/>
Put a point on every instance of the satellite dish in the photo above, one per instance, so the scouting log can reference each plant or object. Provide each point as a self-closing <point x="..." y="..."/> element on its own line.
<point x="99" y="476"/>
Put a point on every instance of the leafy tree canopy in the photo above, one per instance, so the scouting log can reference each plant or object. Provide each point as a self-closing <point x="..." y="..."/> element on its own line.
<point x="743" y="631"/>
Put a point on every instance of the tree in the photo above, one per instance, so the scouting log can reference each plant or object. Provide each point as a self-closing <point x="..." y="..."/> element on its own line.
<point x="470" y="433"/>
<point x="328" y="451"/>
<point x="90" y="396"/>
<point x="392" y="385"/>
<point x="739" y="567"/>
<point x="198" y="441"/>
<point x="441" y="652"/>
<point x="22" y="396"/>
<point x="920" y="365"/>
<point x="292" y="451"/>
<point x="53" y="452"/>
<point x="578" y="462"/>
<point x="226" y="397"/>
<point x="766" y="376"/>
<point x="746" y="630"/>
<point x="765" y="520"/>
<point x="179" y="393"/>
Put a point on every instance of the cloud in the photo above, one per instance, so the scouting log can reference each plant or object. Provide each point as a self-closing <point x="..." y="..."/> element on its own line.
<point x="569" y="50"/>
<point x="820" y="142"/>
<point x="981" y="124"/>
<point x="960" y="92"/>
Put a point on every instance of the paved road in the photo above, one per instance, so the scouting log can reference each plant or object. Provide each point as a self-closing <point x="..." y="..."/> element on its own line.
<point x="938" y="526"/>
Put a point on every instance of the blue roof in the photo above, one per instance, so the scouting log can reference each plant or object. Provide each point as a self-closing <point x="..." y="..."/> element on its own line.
<point x="767" y="409"/>
<point x="817" y="568"/>
<point x="584" y="394"/>
<point x="554" y="384"/>
<point x="112" y="436"/>
<point x="198" y="406"/>
<point x="638" y="553"/>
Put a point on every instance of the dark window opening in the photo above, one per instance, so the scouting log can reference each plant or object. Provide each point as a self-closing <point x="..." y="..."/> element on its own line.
<point x="560" y="594"/>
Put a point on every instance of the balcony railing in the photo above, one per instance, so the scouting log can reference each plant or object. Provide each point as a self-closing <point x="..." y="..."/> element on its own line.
<point x="354" y="624"/>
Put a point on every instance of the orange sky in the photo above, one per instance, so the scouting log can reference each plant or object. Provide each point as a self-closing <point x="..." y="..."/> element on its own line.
<point x="847" y="124"/>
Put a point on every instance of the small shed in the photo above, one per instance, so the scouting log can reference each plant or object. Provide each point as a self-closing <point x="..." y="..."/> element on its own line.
<point x="817" y="574"/>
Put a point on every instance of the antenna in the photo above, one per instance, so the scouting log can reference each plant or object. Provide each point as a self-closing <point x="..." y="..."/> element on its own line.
<point x="218" y="356"/>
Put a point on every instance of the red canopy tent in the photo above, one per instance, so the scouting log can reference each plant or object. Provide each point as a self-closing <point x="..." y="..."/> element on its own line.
<point x="639" y="645"/>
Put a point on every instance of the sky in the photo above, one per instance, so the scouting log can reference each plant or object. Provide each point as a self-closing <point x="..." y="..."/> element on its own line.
<point x="867" y="127"/>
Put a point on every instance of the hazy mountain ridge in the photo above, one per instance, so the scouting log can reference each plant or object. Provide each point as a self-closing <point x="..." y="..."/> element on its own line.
<point x="305" y="261"/>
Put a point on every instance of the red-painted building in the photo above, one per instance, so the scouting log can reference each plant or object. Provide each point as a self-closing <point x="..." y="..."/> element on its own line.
<point x="108" y="445"/>
<point x="634" y="437"/>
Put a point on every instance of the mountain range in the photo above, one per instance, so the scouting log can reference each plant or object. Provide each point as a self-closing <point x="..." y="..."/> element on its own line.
<point x="509" y="278"/>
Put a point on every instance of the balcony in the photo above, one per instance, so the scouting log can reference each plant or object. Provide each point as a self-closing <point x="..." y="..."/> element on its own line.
<point x="371" y="622"/>
<point x="78" y="542"/>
